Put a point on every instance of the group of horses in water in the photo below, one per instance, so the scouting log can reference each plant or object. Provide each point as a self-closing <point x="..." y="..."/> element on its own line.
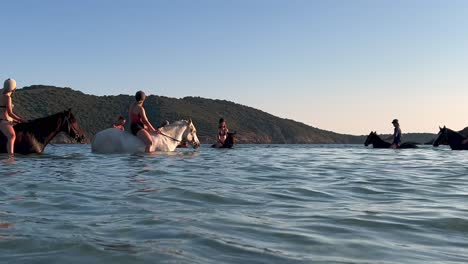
<point x="446" y="136"/>
<point x="33" y="137"/>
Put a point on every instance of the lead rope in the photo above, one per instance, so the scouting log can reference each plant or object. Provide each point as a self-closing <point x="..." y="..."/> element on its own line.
<point x="162" y="134"/>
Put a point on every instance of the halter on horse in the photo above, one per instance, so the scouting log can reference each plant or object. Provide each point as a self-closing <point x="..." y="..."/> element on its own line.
<point x="33" y="136"/>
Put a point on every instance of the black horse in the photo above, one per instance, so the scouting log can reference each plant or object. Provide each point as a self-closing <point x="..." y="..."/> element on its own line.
<point x="33" y="136"/>
<point x="454" y="139"/>
<point x="229" y="142"/>
<point x="377" y="142"/>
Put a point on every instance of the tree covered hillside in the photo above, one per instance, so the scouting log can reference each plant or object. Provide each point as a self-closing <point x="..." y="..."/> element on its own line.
<point x="95" y="113"/>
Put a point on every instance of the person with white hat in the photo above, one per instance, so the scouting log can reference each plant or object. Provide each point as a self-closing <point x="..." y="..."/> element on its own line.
<point x="7" y="117"/>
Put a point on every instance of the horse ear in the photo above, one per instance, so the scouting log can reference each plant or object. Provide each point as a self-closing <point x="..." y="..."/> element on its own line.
<point x="190" y="121"/>
<point x="444" y="127"/>
<point x="440" y="128"/>
<point x="67" y="112"/>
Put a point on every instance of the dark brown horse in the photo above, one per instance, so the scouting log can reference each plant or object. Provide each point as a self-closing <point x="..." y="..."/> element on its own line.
<point x="33" y="136"/>
<point x="229" y="142"/>
<point x="454" y="139"/>
<point x="376" y="142"/>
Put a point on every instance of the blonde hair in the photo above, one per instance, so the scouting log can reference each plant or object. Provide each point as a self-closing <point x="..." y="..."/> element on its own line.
<point x="9" y="86"/>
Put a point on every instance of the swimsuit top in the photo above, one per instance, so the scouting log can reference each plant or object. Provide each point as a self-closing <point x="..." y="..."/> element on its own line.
<point x="4" y="106"/>
<point x="135" y="118"/>
<point x="222" y="132"/>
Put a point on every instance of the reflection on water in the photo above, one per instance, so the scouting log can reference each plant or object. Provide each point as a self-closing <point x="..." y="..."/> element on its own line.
<point x="252" y="204"/>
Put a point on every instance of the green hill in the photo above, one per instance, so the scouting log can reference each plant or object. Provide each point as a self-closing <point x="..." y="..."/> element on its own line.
<point x="95" y="113"/>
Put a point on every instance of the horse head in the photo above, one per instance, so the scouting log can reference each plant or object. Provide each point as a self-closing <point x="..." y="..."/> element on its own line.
<point x="447" y="136"/>
<point x="442" y="137"/>
<point x="370" y="138"/>
<point x="70" y="126"/>
<point x="190" y="134"/>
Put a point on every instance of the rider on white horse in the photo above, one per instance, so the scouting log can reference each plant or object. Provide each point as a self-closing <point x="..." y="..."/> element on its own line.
<point x="139" y="123"/>
<point x="113" y="140"/>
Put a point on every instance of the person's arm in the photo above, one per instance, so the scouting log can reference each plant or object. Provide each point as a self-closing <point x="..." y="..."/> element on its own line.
<point x="15" y="117"/>
<point x="219" y="136"/>
<point x="145" y="120"/>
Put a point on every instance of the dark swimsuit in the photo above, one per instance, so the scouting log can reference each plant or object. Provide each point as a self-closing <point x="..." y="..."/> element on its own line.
<point x="136" y="123"/>
<point x="135" y="127"/>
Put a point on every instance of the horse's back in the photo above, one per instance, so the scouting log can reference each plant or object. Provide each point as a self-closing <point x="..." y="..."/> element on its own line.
<point x="112" y="140"/>
<point x="459" y="147"/>
<point x="407" y="145"/>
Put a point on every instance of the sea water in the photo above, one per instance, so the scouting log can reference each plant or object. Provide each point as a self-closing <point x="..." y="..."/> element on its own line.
<point x="251" y="204"/>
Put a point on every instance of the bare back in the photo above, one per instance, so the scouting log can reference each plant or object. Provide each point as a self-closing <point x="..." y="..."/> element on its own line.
<point x="5" y="104"/>
<point x="134" y="113"/>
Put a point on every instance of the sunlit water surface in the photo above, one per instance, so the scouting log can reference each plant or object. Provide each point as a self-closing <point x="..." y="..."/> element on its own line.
<point x="251" y="204"/>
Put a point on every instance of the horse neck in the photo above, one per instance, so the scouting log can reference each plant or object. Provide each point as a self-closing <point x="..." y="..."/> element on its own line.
<point x="454" y="138"/>
<point x="44" y="130"/>
<point x="175" y="130"/>
<point x="378" y="142"/>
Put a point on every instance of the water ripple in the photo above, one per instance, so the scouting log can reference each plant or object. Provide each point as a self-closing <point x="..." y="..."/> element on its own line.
<point x="252" y="204"/>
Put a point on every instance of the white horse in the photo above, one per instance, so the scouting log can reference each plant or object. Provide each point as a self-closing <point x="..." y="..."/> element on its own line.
<point x="113" y="140"/>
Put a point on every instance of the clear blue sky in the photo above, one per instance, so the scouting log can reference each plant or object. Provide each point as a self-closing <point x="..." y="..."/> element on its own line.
<point x="347" y="66"/>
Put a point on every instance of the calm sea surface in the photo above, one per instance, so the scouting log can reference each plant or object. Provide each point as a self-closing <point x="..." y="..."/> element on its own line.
<point x="252" y="204"/>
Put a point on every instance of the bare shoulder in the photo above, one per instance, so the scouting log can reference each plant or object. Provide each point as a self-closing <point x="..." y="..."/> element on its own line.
<point x="136" y="108"/>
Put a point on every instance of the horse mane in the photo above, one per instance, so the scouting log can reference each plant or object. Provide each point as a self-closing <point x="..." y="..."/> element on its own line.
<point x="378" y="137"/>
<point x="171" y="126"/>
<point x="32" y="124"/>
<point x="177" y="123"/>
<point x="455" y="132"/>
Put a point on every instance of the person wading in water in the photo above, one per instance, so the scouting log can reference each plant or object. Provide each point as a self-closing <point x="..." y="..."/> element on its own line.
<point x="7" y="117"/>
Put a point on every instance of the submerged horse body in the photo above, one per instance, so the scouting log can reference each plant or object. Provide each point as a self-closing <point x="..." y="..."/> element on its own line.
<point x="33" y="136"/>
<point x="376" y="142"/>
<point x="455" y="140"/>
<point x="228" y="143"/>
<point x="113" y="140"/>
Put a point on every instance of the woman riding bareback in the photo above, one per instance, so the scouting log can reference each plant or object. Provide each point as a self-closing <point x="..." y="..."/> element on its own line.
<point x="396" y="134"/>
<point x="7" y="117"/>
<point x="139" y="124"/>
